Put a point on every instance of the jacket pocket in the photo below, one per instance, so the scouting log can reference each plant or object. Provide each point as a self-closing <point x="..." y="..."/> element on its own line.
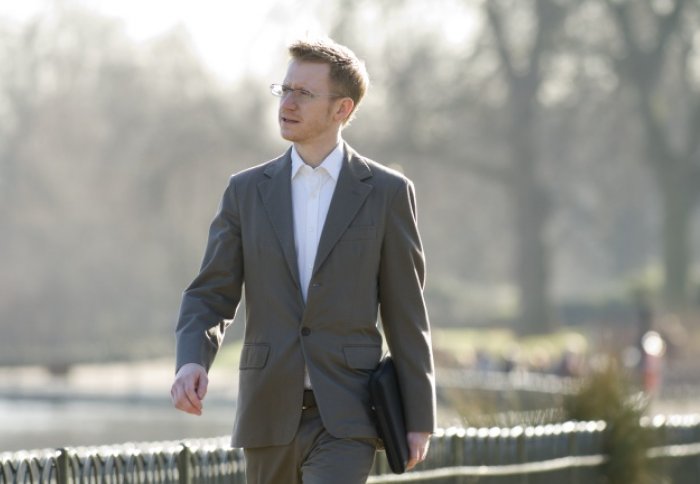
<point x="254" y="356"/>
<point x="362" y="357"/>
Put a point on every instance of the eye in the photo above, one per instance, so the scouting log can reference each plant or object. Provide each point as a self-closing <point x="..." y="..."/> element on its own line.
<point x="304" y="93"/>
<point x="286" y="90"/>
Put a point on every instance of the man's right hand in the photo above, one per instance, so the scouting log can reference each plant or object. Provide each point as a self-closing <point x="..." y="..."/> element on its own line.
<point x="189" y="388"/>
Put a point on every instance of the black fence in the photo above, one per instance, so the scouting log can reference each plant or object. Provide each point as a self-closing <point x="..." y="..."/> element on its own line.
<point x="570" y="452"/>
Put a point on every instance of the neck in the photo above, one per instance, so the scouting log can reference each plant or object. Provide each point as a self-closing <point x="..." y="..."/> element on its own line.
<point x="314" y="154"/>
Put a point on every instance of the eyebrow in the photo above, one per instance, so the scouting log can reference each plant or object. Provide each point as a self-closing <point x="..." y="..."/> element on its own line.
<point x="297" y="86"/>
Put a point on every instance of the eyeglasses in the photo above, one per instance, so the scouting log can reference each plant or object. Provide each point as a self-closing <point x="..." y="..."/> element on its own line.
<point x="299" y="95"/>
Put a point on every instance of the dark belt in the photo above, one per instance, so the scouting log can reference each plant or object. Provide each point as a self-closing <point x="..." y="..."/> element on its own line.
<point x="309" y="400"/>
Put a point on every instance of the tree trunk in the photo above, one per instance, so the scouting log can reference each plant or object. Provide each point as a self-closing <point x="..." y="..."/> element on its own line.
<point x="530" y="207"/>
<point x="677" y="213"/>
<point x="532" y="264"/>
<point x="675" y="173"/>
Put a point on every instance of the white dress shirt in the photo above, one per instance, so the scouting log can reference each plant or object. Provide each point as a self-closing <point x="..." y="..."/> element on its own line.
<point x="312" y="190"/>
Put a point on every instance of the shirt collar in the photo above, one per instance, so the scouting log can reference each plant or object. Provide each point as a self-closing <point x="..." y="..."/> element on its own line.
<point x="331" y="164"/>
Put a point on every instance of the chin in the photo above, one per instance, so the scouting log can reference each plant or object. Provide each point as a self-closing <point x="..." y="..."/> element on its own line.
<point x="287" y="135"/>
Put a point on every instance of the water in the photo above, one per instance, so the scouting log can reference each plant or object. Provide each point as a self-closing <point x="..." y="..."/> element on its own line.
<point x="106" y="404"/>
<point x="34" y="424"/>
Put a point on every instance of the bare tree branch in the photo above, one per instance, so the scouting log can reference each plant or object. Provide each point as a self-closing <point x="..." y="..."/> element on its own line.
<point x="693" y="138"/>
<point x="621" y="15"/>
<point x="496" y="22"/>
<point x="549" y="17"/>
<point x="668" y="24"/>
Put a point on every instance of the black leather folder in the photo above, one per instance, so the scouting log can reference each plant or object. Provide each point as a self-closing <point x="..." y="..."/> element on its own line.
<point x="387" y="405"/>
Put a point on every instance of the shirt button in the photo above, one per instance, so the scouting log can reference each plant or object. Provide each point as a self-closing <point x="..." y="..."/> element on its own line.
<point x="305" y="331"/>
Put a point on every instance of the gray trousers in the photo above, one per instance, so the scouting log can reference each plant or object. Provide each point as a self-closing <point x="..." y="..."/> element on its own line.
<point x="313" y="457"/>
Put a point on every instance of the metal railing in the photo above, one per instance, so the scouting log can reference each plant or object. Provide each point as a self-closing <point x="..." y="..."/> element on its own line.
<point x="194" y="461"/>
<point x="570" y="452"/>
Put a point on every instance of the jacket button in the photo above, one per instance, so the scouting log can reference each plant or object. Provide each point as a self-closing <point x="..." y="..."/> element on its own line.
<point x="305" y="331"/>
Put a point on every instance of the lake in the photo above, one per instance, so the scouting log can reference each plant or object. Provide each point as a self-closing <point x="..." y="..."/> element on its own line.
<point x="106" y="404"/>
<point x="27" y="424"/>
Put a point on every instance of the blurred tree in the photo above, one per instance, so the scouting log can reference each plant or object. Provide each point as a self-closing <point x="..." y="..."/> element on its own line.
<point x="522" y="67"/>
<point x="105" y="199"/>
<point x="518" y="106"/>
<point x="601" y="236"/>
<point x="657" y="55"/>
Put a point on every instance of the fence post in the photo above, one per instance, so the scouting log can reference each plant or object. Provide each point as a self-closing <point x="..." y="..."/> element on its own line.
<point x="62" y="464"/>
<point x="184" y="468"/>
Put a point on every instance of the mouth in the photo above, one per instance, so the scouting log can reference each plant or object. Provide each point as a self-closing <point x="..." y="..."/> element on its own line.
<point x="286" y="120"/>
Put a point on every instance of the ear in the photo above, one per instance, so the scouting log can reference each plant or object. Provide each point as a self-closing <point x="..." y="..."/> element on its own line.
<point x="343" y="109"/>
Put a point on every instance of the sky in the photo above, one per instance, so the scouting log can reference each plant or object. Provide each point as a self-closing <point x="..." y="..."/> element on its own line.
<point x="239" y="35"/>
<point x="222" y="31"/>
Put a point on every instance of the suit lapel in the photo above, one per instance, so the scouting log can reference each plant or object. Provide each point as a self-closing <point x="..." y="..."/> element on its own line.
<point x="350" y="193"/>
<point x="276" y="194"/>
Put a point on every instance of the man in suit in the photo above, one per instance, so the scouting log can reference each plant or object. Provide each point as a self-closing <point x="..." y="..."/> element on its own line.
<point x="321" y="240"/>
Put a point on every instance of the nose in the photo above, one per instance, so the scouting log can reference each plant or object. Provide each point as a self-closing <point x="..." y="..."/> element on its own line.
<point x="287" y="101"/>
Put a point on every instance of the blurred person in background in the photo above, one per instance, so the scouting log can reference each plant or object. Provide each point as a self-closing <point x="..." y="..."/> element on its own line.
<point x="321" y="240"/>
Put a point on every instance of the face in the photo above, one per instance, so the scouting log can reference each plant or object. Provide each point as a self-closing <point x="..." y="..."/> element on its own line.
<point x="310" y="121"/>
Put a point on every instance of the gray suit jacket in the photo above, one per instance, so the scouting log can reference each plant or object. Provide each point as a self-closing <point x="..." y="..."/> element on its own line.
<point x="369" y="259"/>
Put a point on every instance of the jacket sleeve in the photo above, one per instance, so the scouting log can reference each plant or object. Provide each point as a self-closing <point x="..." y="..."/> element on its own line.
<point x="210" y="302"/>
<point x="403" y="312"/>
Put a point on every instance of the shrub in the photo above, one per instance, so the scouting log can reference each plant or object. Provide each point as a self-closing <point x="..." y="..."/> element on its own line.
<point x="605" y="395"/>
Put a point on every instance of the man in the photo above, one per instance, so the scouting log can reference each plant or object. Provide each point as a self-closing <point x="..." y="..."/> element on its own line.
<point x="320" y="239"/>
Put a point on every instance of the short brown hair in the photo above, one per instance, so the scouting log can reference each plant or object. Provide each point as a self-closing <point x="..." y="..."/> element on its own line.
<point x="347" y="73"/>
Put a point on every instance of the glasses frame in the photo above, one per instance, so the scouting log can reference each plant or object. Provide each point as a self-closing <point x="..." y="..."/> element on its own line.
<point x="282" y="90"/>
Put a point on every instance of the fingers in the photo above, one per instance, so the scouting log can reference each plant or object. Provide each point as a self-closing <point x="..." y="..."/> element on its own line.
<point x="418" y="443"/>
<point x="189" y="389"/>
<point x="202" y="386"/>
<point x="414" y="459"/>
<point x="416" y="456"/>
<point x="185" y="399"/>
